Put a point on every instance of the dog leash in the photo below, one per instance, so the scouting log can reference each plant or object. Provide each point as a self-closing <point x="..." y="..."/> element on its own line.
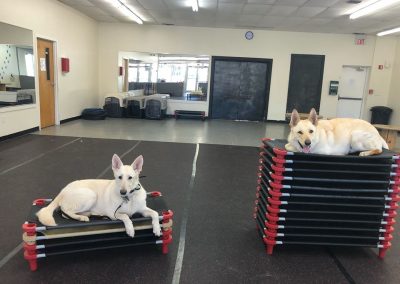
<point x="126" y="199"/>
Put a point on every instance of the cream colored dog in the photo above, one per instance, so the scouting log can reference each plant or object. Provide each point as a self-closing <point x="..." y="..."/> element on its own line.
<point x="339" y="136"/>
<point x="118" y="199"/>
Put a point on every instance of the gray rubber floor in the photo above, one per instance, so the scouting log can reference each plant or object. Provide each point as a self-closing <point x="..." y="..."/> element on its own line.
<point x="213" y="218"/>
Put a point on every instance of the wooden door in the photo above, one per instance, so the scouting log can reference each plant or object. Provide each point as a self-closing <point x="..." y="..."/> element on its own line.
<point x="305" y="82"/>
<point x="46" y="82"/>
<point x="126" y="74"/>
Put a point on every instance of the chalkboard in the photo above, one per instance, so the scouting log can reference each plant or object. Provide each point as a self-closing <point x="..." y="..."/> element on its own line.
<point x="305" y="82"/>
<point x="239" y="88"/>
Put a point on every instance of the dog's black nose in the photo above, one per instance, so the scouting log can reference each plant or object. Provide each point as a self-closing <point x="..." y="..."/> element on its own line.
<point x="122" y="191"/>
<point x="307" y="142"/>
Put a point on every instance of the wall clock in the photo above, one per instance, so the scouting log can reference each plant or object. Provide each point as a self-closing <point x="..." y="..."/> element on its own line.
<point x="249" y="35"/>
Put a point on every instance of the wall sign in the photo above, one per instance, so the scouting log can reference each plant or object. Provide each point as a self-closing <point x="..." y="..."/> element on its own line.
<point x="333" y="88"/>
<point x="42" y="64"/>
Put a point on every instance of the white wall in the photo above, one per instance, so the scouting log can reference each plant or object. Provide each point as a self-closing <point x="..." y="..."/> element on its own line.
<point x="394" y="97"/>
<point x="338" y="49"/>
<point x="76" y="36"/>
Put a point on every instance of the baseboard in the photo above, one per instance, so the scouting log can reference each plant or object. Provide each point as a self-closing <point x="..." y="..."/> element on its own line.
<point x="20" y="133"/>
<point x="70" y="119"/>
<point x="278" y="121"/>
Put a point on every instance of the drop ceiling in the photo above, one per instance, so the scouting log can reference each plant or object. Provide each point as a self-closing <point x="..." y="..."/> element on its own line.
<point x="322" y="16"/>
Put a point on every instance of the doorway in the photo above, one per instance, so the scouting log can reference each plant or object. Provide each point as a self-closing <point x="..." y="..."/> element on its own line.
<point x="45" y="53"/>
<point x="352" y="90"/>
<point x="305" y="82"/>
<point x="239" y="88"/>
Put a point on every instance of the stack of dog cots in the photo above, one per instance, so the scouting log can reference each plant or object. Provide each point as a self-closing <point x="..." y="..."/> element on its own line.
<point x="71" y="236"/>
<point x="329" y="200"/>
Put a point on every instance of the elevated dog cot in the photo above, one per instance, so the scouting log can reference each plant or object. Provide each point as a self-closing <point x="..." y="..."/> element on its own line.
<point x="313" y="199"/>
<point x="72" y="236"/>
<point x="156" y="106"/>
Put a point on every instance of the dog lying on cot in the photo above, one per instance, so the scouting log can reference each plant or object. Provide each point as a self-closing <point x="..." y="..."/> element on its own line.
<point x="338" y="136"/>
<point x="117" y="199"/>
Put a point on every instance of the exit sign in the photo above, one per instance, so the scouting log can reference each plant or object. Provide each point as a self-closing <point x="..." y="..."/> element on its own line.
<point x="360" y="41"/>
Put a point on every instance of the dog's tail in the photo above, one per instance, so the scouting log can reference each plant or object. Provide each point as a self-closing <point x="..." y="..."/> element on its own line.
<point x="45" y="214"/>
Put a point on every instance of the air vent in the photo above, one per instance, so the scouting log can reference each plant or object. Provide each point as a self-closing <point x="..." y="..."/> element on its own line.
<point x="167" y="24"/>
<point x="354" y="2"/>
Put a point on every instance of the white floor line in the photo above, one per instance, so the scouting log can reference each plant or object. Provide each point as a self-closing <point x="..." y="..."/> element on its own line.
<point x="182" y="235"/>
<point x="123" y="155"/>
<point x="38" y="157"/>
<point x="10" y="255"/>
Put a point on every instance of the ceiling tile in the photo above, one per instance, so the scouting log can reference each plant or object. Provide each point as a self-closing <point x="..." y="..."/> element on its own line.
<point x="230" y="8"/>
<point x="331" y="13"/>
<point x="261" y="1"/>
<point x="309" y="11"/>
<point x="77" y="2"/>
<point x="256" y="9"/>
<point x="282" y="10"/>
<point x="160" y="13"/>
<point x="153" y="4"/>
<point x="174" y="4"/>
<point x="233" y="1"/>
<point x="208" y="5"/>
<point x="291" y="2"/>
<point x="321" y="3"/>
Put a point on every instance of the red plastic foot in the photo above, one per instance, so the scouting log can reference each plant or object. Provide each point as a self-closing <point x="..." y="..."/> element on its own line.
<point x="382" y="252"/>
<point x="165" y="249"/>
<point x="270" y="249"/>
<point x="32" y="259"/>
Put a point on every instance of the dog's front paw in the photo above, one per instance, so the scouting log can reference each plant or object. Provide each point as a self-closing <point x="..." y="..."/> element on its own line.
<point x="84" y="218"/>
<point x="130" y="231"/>
<point x="157" y="229"/>
<point x="289" y="147"/>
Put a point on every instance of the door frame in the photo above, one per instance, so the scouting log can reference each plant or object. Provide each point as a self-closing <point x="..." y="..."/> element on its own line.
<point x="365" y="91"/>
<point x="55" y="70"/>
<point x="240" y="59"/>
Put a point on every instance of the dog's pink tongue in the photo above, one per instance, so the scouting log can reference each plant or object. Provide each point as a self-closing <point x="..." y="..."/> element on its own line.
<point x="306" y="149"/>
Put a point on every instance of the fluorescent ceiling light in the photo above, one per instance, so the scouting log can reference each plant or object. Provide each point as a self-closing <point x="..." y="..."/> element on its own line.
<point x="372" y="7"/>
<point x="126" y="10"/>
<point x="195" y="6"/>
<point x="392" y="31"/>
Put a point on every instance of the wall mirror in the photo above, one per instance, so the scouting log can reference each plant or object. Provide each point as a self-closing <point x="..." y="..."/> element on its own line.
<point x="183" y="77"/>
<point x="17" y="72"/>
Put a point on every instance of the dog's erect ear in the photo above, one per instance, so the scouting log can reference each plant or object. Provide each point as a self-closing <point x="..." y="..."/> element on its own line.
<point x="313" y="117"/>
<point x="294" y="119"/>
<point x="137" y="164"/>
<point x="116" y="162"/>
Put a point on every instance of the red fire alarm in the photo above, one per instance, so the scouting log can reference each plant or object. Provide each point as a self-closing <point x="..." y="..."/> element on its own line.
<point x="65" y="65"/>
<point x="380" y="67"/>
<point x="121" y="70"/>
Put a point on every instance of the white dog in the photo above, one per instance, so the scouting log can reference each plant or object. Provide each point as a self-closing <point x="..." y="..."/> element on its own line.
<point x="339" y="136"/>
<point x="117" y="199"/>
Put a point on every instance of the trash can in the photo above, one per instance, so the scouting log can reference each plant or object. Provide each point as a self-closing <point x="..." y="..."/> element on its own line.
<point x="380" y="115"/>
